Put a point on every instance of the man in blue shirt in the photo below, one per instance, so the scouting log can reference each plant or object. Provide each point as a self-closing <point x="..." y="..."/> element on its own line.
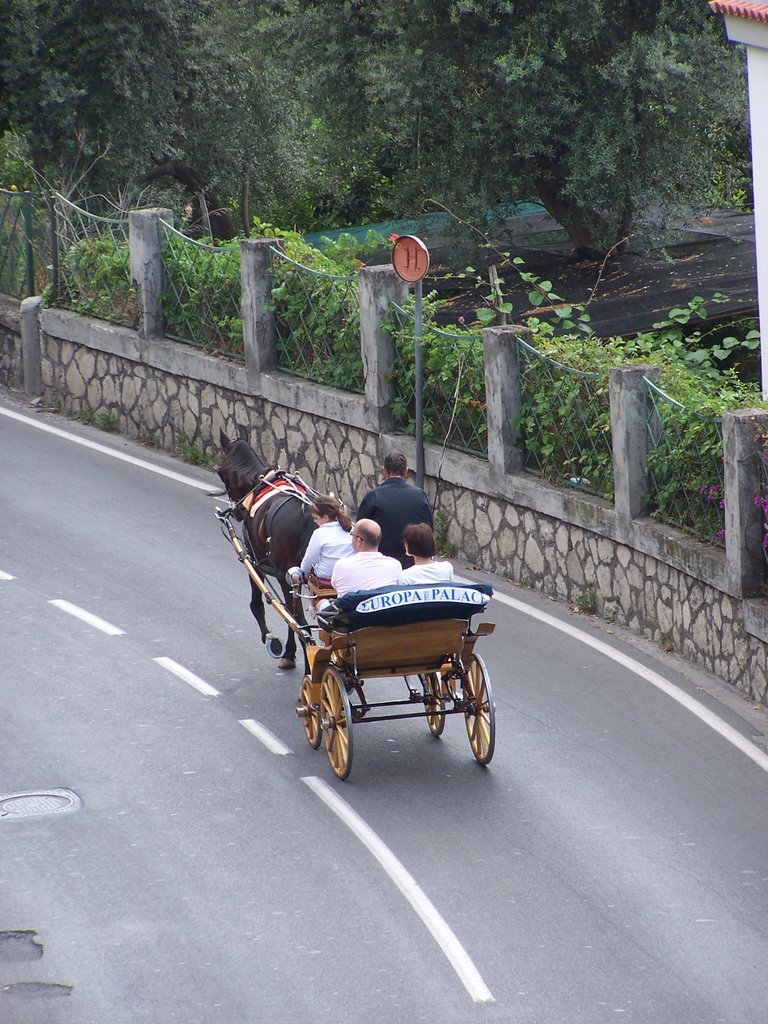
<point x="395" y="504"/>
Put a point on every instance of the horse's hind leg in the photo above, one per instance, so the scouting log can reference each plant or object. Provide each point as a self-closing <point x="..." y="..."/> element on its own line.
<point x="288" y="659"/>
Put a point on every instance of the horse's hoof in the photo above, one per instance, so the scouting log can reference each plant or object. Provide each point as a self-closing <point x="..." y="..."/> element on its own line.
<point x="286" y="663"/>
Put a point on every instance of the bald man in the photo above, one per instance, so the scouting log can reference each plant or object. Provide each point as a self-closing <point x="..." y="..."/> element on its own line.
<point x="367" y="568"/>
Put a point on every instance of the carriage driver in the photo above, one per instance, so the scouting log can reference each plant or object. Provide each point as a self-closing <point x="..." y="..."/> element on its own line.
<point x="330" y="541"/>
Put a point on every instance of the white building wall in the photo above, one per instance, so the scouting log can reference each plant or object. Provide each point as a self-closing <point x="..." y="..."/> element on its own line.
<point x="757" y="70"/>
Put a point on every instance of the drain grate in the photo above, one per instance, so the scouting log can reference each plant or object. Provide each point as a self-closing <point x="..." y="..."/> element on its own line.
<point x="37" y="802"/>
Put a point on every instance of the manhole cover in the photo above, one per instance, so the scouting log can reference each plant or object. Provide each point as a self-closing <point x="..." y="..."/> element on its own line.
<point x="27" y="805"/>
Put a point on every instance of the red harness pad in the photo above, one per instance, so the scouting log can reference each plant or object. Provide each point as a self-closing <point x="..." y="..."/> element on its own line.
<point x="252" y="502"/>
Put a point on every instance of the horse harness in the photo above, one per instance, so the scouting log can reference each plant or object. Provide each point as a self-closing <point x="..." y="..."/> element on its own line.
<point x="276" y="481"/>
<point x="275" y="484"/>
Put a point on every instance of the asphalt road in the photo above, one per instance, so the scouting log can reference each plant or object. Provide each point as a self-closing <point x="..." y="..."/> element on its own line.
<point x="610" y="864"/>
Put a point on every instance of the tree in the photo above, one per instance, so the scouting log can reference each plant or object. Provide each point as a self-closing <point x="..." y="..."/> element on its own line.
<point x="85" y="81"/>
<point x="595" y="108"/>
<point x="146" y="91"/>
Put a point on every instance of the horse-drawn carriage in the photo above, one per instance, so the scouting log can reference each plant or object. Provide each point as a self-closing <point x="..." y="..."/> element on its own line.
<point x="420" y="635"/>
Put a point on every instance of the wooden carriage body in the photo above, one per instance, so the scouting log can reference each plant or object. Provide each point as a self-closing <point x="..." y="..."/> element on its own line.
<point x="420" y="635"/>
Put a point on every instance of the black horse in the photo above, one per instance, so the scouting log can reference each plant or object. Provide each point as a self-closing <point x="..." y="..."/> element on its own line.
<point x="275" y="532"/>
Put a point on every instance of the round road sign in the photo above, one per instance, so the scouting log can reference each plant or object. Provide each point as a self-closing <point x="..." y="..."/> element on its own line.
<point x="410" y="258"/>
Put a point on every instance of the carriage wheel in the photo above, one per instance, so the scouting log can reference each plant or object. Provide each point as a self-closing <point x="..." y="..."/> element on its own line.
<point x="336" y="718"/>
<point x="480" y="713"/>
<point x="308" y="713"/>
<point x="434" y="702"/>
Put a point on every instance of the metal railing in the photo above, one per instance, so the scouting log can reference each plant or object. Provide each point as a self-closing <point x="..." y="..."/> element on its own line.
<point x="453" y="401"/>
<point x="317" y="322"/>
<point x="201" y="294"/>
<point x="685" y="466"/>
<point x="564" y="426"/>
<point x="91" y="263"/>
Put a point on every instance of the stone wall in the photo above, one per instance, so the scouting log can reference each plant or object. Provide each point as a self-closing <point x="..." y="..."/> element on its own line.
<point x="577" y="548"/>
<point x="11" y="371"/>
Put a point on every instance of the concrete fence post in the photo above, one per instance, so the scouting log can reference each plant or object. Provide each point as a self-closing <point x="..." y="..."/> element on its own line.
<point x="145" y="239"/>
<point x="379" y="288"/>
<point x="629" y="438"/>
<point x="502" y="396"/>
<point x="745" y="559"/>
<point x="259" y="331"/>
<point x="29" y="312"/>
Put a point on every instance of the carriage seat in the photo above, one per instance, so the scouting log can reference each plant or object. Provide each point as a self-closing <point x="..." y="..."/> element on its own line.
<point x="400" y="605"/>
<point x="319" y="587"/>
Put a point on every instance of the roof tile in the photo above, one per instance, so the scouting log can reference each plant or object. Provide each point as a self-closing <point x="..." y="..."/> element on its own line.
<point x="741" y="9"/>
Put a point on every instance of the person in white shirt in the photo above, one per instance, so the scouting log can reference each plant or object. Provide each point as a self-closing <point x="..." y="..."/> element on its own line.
<point x="367" y="569"/>
<point x="330" y="541"/>
<point x="420" y="545"/>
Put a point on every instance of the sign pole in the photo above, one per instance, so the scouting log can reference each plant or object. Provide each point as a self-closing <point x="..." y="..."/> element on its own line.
<point x="419" y="384"/>
<point x="410" y="259"/>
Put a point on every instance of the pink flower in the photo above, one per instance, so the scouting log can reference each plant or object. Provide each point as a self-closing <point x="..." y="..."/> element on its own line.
<point x="393" y="238"/>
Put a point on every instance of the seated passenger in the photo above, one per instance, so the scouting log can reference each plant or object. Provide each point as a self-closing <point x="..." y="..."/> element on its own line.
<point x="330" y="542"/>
<point x="367" y="568"/>
<point x="420" y="545"/>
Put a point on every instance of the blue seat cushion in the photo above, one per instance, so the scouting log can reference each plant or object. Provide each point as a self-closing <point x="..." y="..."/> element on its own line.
<point x="400" y="605"/>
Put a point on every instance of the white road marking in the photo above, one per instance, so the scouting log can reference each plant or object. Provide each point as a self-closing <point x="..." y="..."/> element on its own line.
<point x="751" y="750"/>
<point x="89" y="617"/>
<point x="6" y="576"/>
<point x="95" y="446"/>
<point x="186" y="676"/>
<point x="270" y="741"/>
<point x="441" y="932"/>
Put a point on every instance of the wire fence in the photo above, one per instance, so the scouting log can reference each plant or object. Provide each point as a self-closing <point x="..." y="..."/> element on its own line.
<point x="453" y="399"/>
<point x="564" y="427"/>
<point x="685" y="466"/>
<point x="201" y="295"/>
<point x="564" y="424"/>
<point x="91" y="263"/>
<point x="317" y="322"/>
<point x="21" y="244"/>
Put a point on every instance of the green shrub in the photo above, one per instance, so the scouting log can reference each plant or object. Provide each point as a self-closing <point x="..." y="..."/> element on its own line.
<point x="95" y="279"/>
<point x="454" y="404"/>
<point x="316" y="301"/>
<point x="201" y="296"/>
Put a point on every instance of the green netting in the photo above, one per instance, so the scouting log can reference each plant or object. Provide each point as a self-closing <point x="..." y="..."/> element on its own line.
<point x="201" y="293"/>
<point x="564" y="426"/>
<point x="685" y="466"/>
<point x="92" y="264"/>
<point x="17" y="261"/>
<point x="317" y="320"/>
<point x="453" y="399"/>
